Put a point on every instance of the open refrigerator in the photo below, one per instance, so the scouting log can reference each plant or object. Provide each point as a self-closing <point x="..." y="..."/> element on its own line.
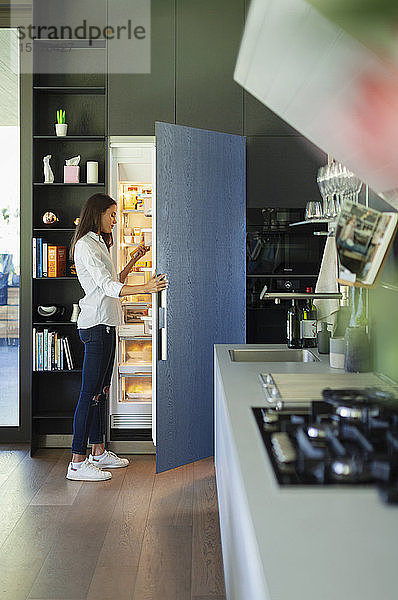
<point x="132" y="184"/>
<point x="184" y="191"/>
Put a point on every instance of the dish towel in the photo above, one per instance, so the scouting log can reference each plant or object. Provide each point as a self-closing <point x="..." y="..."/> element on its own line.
<point x="327" y="282"/>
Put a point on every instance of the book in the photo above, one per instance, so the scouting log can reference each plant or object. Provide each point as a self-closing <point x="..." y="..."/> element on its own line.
<point x="55" y="351"/>
<point x="34" y="258"/>
<point x="39" y="255"/>
<point x="66" y="354"/>
<point x="61" y="350"/>
<point x="34" y="348"/>
<point x="45" y="259"/>
<point x="56" y="261"/>
<point x="363" y="239"/>
<point x="52" y="261"/>
<point x="45" y="349"/>
<point x="61" y="261"/>
<point x="69" y="354"/>
<point x="40" y="351"/>
<point x="53" y="365"/>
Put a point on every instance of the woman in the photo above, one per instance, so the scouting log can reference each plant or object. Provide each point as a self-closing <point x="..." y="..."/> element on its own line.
<point x="100" y="313"/>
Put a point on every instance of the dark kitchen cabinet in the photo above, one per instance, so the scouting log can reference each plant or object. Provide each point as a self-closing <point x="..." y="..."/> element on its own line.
<point x="137" y="100"/>
<point x="282" y="171"/>
<point x="208" y="35"/>
<point x="260" y="120"/>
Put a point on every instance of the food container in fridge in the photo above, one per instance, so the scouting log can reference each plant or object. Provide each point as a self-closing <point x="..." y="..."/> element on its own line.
<point x="135" y="387"/>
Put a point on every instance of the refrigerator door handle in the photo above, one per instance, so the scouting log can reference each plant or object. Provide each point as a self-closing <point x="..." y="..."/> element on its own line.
<point x="162" y="320"/>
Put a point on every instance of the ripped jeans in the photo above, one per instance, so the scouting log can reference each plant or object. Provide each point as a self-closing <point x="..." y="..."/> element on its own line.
<point x="90" y="414"/>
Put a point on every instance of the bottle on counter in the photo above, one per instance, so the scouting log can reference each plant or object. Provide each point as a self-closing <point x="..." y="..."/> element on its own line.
<point x="309" y="323"/>
<point x="294" y="326"/>
<point x="324" y="339"/>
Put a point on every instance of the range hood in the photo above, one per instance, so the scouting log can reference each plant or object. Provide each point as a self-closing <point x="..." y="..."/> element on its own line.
<point x="332" y="87"/>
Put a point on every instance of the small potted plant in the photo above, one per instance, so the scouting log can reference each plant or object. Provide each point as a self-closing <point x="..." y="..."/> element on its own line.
<point x="61" y="127"/>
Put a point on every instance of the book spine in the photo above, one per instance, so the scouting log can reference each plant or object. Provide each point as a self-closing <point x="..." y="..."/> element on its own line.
<point x="48" y="351"/>
<point x="40" y="350"/>
<point x="69" y="353"/>
<point x="39" y="254"/>
<point x="52" y="261"/>
<point x="45" y="259"/>
<point x="56" y="350"/>
<point x="34" y="258"/>
<point x="50" y="335"/>
<point x="34" y="349"/>
<point x="37" y="350"/>
<point x="61" y="351"/>
<point x="45" y="349"/>
<point x="61" y="261"/>
<point x="53" y="363"/>
<point x="66" y="354"/>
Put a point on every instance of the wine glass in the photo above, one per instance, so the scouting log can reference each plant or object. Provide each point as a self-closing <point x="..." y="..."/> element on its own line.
<point x="313" y="210"/>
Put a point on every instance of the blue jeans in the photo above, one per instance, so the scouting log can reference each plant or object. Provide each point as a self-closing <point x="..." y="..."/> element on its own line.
<point x="90" y="414"/>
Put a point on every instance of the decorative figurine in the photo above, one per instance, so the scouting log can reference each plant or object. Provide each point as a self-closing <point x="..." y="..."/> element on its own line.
<point x="49" y="218"/>
<point x="48" y="174"/>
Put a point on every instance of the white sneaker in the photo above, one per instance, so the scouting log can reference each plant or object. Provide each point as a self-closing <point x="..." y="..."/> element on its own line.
<point x="108" y="461"/>
<point x="87" y="472"/>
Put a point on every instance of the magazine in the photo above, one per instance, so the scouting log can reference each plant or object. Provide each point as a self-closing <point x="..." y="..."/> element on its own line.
<point x="363" y="239"/>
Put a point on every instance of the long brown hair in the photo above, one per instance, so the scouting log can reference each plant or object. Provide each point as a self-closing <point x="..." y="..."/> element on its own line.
<point x="90" y="219"/>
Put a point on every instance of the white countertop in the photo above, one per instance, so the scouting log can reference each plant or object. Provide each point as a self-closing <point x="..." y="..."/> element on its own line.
<point x="315" y="543"/>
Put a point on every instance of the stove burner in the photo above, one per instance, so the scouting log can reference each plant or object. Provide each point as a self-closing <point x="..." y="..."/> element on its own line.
<point x="316" y="432"/>
<point x="355" y="412"/>
<point x="344" y="469"/>
<point x="355" y="396"/>
<point x="349" y="438"/>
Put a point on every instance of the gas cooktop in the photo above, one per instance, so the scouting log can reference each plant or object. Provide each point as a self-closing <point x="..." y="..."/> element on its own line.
<point x="350" y="437"/>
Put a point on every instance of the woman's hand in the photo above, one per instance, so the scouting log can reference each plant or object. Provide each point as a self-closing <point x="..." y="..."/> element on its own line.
<point x="156" y="284"/>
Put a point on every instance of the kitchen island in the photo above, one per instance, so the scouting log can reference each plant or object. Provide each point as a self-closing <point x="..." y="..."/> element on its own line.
<point x="291" y="542"/>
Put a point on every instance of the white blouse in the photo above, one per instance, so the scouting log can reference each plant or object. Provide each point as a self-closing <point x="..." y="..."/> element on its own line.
<point x="98" y="277"/>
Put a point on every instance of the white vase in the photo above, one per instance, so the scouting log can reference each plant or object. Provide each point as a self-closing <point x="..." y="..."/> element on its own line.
<point x="92" y="171"/>
<point x="61" y="129"/>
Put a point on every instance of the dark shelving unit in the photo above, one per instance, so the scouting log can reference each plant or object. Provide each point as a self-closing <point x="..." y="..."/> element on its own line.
<point x="68" y="138"/>
<point x="53" y="323"/>
<point x="60" y="89"/>
<point x="72" y="184"/>
<point x="52" y="415"/>
<point x="58" y="83"/>
<point x="58" y="371"/>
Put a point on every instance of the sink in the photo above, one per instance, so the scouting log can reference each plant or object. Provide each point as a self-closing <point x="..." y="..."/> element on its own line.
<point x="247" y="355"/>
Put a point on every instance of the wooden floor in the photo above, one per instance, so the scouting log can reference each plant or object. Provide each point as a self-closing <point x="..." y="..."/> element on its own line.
<point x="139" y="536"/>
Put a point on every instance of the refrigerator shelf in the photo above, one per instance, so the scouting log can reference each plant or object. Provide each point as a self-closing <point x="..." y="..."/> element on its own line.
<point x="130" y="397"/>
<point x="135" y="338"/>
<point x="135" y="369"/>
<point x="138" y="373"/>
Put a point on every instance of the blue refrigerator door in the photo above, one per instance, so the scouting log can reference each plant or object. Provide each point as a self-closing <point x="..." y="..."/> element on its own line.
<point x="201" y="225"/>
